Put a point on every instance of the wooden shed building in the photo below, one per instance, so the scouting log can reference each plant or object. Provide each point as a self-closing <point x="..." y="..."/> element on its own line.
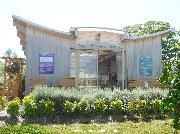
<point x="89" y="56"/>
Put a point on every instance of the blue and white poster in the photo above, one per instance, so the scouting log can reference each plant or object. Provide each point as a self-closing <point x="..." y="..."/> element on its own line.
<point x="145" y="64"/>
<point x="46" y="63"/>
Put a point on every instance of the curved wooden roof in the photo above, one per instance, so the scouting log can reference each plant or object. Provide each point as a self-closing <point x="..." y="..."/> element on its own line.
<point x="21" y="25"/>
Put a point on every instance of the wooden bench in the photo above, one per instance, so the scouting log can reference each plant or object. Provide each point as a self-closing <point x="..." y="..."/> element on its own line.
<point x="67" y="82"/>
<point x="143" y="84"/>
<point x="36" y="81"/>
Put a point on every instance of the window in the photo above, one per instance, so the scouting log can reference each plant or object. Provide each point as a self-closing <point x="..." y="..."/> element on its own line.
<point x="72" y="65"/>
<point x="88" y="64"/>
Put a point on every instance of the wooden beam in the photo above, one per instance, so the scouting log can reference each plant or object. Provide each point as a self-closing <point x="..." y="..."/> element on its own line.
<point x="77" y="60"/>
<point x="123" y="68"/>
<point x="21" y="35"/>
<point x="22" y="42"/>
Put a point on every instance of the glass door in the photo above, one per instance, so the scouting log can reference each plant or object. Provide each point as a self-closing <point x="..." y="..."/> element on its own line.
<point x="88" y="68"/>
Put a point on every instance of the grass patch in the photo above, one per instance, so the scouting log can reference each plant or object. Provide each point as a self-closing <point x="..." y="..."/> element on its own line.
<point x="128" y="127"/>
<point x="154" y="127"/>
<point x="22" y="129"/>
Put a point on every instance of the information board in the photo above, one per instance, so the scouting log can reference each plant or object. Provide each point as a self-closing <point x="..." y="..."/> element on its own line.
<point x="145" y="64"/>
<point x="46" y="63"/>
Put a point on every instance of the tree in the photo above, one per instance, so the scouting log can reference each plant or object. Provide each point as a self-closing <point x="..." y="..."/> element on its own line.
<point x="147" y="28"/>
<point x="10" y="53"/>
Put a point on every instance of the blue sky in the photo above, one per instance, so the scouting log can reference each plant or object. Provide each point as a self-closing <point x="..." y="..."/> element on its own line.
<point x="63" y="14"/>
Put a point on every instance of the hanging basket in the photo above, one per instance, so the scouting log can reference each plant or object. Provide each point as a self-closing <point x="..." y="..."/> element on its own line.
<point x="12" y="68"/>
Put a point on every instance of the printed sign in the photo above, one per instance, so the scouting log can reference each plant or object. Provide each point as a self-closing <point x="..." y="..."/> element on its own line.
<point x="97" y="46"/>
<point x="145" y="64"/>
<point x="46" y="63"/>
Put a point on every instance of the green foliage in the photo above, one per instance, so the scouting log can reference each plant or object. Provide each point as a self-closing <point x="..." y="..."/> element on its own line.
<point x="116" y="106"/>
<point x="29" y="105"/>
<point x="69" y="107"/>
<point x="100" y="106"/>
<point x="147" y="28"/>
<point x="131" y="107"/>
<point x="45" y="108"/>
<point x="10" y="53"/>
<point x="13" y="107"/>
<point x="170" y="74"/>
<point x="156" y="104"/>
<point x="1" y="72"/>
<point x="82" y="106"/>
<point x="172" y="103"/>
<point x="22" y="129"/>
<point x="170" y="77"/>
<point x="2" y="102"/>
<point x="142" y="106"/>
<point x="64" y="98"/>
<point x="58" y="96"/>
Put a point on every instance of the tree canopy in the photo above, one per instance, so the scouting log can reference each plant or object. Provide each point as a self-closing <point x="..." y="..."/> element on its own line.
<point x="10" y="53"/>
<point x="147" y="28"/>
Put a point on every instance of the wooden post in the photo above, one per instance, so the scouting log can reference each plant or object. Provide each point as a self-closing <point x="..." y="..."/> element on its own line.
<point x="123" y="68"/>
<point x="77" y="58"/>
<point x="4" y="83"/>
<point x="97" y="77"/>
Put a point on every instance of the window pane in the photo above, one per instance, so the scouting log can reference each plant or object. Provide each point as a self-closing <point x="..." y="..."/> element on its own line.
<point x="72" y="65"/>
<point x="88" y="65"/>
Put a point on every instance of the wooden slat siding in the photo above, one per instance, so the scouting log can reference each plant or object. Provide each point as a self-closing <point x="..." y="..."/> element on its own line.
<point x="158" y="62"/>
<point x="143" y="48"/>
<point x="42" y="42"/>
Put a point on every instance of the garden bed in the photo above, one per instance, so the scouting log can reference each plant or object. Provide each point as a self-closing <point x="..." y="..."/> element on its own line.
<point x="88" y="108"/>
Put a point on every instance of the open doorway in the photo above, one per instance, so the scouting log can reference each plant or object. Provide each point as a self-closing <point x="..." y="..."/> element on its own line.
<point x="95" y="68"/>
<point x="107" y="74"/>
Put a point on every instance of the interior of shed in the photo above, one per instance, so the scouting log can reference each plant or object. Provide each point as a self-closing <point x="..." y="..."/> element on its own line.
<point x="107" y="75"/>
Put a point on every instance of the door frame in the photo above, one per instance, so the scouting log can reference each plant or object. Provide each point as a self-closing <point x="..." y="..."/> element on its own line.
<point x="121" y="57"/>
<point x="121" y="77"/>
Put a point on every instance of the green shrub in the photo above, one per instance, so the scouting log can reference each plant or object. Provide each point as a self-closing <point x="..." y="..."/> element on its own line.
<point x="22" y="129"/>
<point x="45" y="108"/>
<point x="172" y="104"/>
<point x="116" y="105"/>
<point x="156" y="104"/>
<point x="83" y="106"/>
<point x="142" y="106"/>
<point x="29" y="105"/>
<point x="131" y="107"/>
<point x="13" y="107"/>
<point x="69" y="107"/>
<point x="91" y="94"/>
<point x="2" y="102"/>
<point x="100" y="106"/>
